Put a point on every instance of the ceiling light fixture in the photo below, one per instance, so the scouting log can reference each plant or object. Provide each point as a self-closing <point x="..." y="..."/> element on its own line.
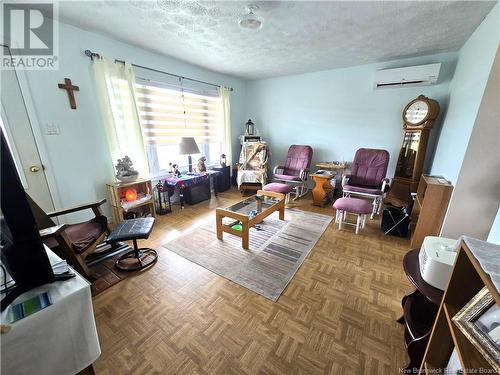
<point x="251" y="20"/>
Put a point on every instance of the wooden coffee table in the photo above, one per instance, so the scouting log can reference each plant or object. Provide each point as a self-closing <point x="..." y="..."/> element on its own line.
<point x="249" y="212"/>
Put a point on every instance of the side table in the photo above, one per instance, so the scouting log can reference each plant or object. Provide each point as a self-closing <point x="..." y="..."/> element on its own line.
<point x="61" y="339"/>
<point x="419" y="310"/>
<point x="223" y="180"/>
<point x="322" y="189"/>
<point x="337" y="167"/>
<point x="187" y="180"/>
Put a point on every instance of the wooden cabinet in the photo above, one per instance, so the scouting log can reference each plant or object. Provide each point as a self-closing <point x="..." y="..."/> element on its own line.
<point x="429" y="209"/>
<point x="467" y="279"/>
<point x="120" y="194"/>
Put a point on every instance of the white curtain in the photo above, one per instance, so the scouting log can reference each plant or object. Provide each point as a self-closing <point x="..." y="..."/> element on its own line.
<point x="115" y="90"/>
<point x="224" y="93"/>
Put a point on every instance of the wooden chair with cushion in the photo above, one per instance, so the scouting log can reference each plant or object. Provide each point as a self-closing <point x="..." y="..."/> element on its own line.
<point x="75" y="241"/>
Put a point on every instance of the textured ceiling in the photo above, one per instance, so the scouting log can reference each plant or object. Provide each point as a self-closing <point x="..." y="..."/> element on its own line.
<point x="296" y="37"/>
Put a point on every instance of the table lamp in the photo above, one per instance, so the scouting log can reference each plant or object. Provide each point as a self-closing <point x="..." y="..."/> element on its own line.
<point x="188" y="147"/>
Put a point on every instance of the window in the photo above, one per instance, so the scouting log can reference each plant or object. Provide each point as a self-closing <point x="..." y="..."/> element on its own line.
<point x="168" y="113"/>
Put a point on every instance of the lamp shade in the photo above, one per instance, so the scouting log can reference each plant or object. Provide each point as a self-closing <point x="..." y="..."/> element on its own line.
<point x="188" y="146"/>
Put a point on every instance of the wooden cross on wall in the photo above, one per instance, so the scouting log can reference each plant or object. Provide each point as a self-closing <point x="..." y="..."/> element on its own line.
<point x="69" y="88"/>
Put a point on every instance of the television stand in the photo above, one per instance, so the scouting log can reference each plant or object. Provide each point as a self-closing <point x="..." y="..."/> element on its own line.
<point x="33" y="339"/>
<point x="12" y="294"/>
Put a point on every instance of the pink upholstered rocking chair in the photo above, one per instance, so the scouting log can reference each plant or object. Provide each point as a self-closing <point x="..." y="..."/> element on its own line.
<point x="367" y="177"/>
<point x="296" y="169"/>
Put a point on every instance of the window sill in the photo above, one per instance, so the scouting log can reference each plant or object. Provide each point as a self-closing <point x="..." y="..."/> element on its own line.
<point x="163" y="174"/>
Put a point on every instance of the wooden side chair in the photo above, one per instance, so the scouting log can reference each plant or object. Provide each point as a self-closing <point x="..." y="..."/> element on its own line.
<point x="75" y="241"/>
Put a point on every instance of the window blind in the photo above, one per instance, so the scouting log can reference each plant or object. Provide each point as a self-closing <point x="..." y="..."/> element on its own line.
<point x="169" y="113"/>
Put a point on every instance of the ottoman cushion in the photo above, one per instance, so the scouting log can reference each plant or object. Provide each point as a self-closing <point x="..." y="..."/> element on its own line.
<point x="132" y="229"/>
<point x="276" y="187"/>
<point x="287" y="177"/>
<point x="365" y="190"/>
<point x="353" y="205"/>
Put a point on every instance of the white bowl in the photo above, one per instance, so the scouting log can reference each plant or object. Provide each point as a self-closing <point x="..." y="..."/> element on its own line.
<point x="127" y="178"/>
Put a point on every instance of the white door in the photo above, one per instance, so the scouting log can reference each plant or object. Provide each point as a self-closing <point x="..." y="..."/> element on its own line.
<point x="16" y="125"/>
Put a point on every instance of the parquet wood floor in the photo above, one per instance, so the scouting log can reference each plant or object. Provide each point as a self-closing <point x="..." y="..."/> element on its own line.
<point x="337" y="316"/>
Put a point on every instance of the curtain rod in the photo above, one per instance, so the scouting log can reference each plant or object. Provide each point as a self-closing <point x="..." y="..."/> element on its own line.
<point x="91" y="54"/>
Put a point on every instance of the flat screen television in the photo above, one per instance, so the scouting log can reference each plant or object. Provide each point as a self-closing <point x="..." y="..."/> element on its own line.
<point x="22" y="251"/>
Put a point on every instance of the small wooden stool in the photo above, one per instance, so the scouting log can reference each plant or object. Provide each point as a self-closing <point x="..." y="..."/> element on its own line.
<point x="354" y="206"/>
<point x="277" y="187"/>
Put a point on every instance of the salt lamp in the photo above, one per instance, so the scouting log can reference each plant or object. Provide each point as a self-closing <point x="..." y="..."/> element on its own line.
<point x="130" y="195"/>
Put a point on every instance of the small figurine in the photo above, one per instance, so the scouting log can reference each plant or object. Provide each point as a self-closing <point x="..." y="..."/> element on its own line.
<point x="222" y="160"/>
<point x="201" y="165"/>
<point x="125" y="171"/>
<point x="176" y="171"/>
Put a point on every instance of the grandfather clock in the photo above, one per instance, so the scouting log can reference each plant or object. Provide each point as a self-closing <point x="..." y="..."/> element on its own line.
<point x="418" y="118"/>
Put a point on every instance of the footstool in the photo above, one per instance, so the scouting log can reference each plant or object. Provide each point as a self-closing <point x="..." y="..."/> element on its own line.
<point x="354" y="206"/>
<point x="134" y="229"/>
<point x="277" y="187"/>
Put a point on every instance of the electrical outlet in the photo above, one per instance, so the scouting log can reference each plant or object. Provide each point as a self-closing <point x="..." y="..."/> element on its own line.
<point x="52" y="129"/>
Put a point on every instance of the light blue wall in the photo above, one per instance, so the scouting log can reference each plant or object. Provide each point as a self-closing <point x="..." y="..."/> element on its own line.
<point x="77" y="156"/>
<point x="335" y="111"/>
<point x="338" y="111"/>
<point x="466" y="91"/>
<point x="494" y="235"/>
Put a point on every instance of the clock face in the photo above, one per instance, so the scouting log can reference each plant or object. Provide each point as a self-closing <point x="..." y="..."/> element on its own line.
<point x="417" y="112"/>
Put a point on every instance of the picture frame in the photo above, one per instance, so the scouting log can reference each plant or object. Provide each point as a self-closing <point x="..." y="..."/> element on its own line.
<point x="479" y="321"/>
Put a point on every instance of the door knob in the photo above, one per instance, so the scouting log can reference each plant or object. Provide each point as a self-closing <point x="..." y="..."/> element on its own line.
<point x="34" y="168"/>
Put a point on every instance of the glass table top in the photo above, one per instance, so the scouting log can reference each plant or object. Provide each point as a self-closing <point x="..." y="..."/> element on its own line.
<point x="253" y="205"/>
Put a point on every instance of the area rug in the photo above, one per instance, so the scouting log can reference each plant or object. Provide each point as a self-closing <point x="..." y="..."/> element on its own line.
<point x="275" y="253"/>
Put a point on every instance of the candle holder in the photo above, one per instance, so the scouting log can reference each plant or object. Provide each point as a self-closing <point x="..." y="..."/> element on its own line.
<point x="249" y="128"/>
<point x="162" y="201"/>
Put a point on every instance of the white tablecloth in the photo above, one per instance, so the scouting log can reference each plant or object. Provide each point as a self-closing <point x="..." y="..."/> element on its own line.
<point x="254" y="177"/>
<point x="58" y="340"/>
<point x="488" y="256"/>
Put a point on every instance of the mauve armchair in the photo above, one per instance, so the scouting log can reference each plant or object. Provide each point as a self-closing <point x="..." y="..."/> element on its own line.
<point x="368" y="177"/>
<point x="296" y="169"/>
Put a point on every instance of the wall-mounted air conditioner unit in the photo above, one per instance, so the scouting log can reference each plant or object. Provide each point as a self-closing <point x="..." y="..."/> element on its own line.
<point x="420" y="75"/>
